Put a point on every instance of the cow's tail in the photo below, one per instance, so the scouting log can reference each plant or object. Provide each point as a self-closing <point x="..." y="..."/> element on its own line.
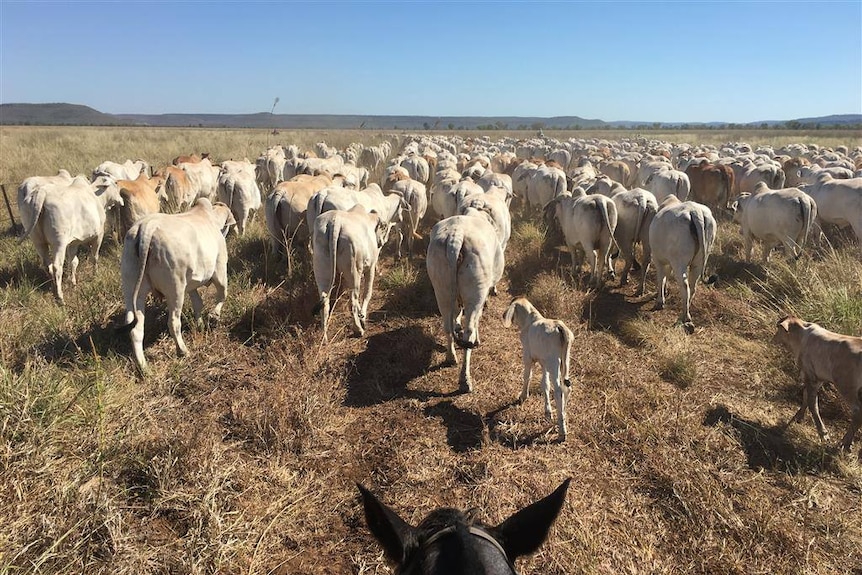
<point x="140" y="250"/>
<point x="454" y="259"/>
<point x="603" y="206"/>
<point x="272" y="207"/>
<point x="808" y="215"/>
<point x="334" y="230"/>
<point x="174" y="201"/>
<point x="560" y="186"/>
<point x="727" y="180"/>
<point x="698" y="224"/>
<point x="38" y="202"/>
<point x="230" y="189"/>
<point x="565" y="359"/>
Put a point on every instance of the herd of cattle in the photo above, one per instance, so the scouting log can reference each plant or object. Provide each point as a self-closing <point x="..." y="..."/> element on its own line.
<point x="597" y="196"/>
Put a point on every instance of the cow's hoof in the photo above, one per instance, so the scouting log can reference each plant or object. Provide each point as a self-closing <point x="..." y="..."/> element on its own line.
<point x="688" y="327"/>
<point x="465" y="385"/>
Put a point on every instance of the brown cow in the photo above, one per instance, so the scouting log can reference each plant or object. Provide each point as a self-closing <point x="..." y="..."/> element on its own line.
<point x="192" y="159"/>
<point x="617" y="171"/>
<point x="285" y="209"/>
<point x="711" y="184"/>
<point x="824" y="356"/>
<point x="179" y="193"/>
<point x="791" y="171"/>
<point x="140" y="198"/>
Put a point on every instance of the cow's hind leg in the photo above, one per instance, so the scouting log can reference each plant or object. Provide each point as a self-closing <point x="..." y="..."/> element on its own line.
<point x="197" y="305"/>
<point x="175" y="298"/>
<point x="369" y="286"/>
<point x="137" y="333"/>
<point x="814" y="408"/>
<point x="354" y="281"/>
<point x="56" y="270"/>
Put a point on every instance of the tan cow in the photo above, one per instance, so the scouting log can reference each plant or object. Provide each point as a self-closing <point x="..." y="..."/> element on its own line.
<point x="824" y="356"/>
<point x="140" y="198"/>
<point x="711" y="185"/>
<point x="285" y="209"/>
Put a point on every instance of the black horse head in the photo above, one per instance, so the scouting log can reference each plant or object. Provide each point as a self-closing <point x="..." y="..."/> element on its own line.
<point x="449" y="542"/>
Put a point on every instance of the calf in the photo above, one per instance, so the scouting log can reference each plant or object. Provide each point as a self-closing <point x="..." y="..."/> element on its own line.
<point x="174" y="255"/>
<point x="823" y="356"/>
<point x="549" y="342"/>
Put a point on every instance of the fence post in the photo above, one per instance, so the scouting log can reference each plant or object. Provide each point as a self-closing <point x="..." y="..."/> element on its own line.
<point x="16" y="229"/>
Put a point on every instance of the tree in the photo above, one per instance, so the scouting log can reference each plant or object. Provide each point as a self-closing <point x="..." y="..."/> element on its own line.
<point x="451" y="126"/>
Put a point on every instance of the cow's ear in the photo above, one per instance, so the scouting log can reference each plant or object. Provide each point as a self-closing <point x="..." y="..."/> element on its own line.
<point x="784" y="323"/>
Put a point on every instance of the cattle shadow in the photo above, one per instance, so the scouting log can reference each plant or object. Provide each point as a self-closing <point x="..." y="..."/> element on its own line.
<point x="254" y="257"/>
<point x="100" y="340"/>
<point x="607" y="310"/>
<point x="407" y="288"/>
<point x="25" y="272"/>
<point x="730" y="267"/>
<point x="272" y="317"/>
<point x="464" y="429"/>
<point x="390" y="361"/>
<point x="768" y="448"/>
<point x="506" y="437"/>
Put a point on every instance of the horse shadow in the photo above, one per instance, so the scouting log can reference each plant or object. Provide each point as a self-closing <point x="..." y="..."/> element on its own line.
<point x="390" y="361"/>
<point x="464" y="428"/>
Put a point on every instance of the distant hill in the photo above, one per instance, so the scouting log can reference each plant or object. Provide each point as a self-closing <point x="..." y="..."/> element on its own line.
<point x="55" y="115"/>
<point x="73" y="114"/>
<point x="332" y="121"/>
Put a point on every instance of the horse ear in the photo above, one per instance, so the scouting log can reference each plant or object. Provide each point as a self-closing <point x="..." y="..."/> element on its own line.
<point x="395" y="535"/>
<point x="525" y="531"/>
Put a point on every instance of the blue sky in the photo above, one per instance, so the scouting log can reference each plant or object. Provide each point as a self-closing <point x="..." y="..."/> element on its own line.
<point x="673" y="61"/>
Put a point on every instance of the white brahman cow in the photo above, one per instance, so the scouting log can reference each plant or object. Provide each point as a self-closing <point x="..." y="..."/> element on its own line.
<point x="64" y="214"/>
<point x="238" y="189"/>
<point x="681" y="236"/>
<point x="348" y="242"/>
<point x="174" y="255"/>
<point x="588" y="221"/>
<point x="775" y="217"/>
<point x="465" y="261"/>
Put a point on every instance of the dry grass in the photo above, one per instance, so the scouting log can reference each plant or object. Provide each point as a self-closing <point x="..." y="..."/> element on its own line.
<point x="242" y="458"/>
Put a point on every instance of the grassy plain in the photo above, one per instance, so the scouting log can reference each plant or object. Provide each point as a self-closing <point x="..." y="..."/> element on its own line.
<point x="242" y="458"/>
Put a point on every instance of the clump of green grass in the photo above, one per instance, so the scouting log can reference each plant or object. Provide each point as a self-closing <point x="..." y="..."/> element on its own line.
<point x="551" y="295"/>
<point x="679" y="369"/>
<point x="401" y="276"/>
<point x="828" y="292"/>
